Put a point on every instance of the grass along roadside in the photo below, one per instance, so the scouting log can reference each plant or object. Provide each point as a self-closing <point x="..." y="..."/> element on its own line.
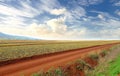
<point x="114" y="68"/>
<point x="109" y="65"/>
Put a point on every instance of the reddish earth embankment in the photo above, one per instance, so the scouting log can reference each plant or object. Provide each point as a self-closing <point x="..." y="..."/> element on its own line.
<point x="30" y="65"/>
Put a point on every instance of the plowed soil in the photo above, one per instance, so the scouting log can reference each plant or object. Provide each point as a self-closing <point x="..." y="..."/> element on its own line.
<point x="30" y="65"/>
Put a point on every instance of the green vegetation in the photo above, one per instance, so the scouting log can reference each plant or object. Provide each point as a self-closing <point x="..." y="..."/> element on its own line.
<point x="94" y="56"/>
<point x="13" y="49"/>
<point x="103" y="53"/>
<point x="111" y="69"/>
<point x="80" y="64"/>
<point x="114" y="68"/>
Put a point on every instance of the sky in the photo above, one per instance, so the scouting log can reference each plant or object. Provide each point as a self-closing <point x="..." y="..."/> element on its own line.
<point x="61" y="19"/>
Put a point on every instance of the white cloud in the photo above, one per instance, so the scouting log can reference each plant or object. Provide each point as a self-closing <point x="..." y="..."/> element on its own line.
<point x="110" y="33"/>
<point x="38" y="29"/>
<point x="95" y="1"/>
<point x="78" y="12"/>
<point x="12" y="25"/>
<point x="117" y="12"/>
<point x="107" y="29"/>
<point x="48" y="6"/>
<point x="107" y="24"/>
<point x="85" y="19"/>
<point x="56" y="29"/>
<point x="12" y="21"/>
<point x="29" y="9"/>
<point x="106" y="33"/>
<point x="74" y="14"/>
<point x="53" y="28"/>
<point x="26" y="10"/>
<point x="101" y="17"/>
<point x="88" y="2"/>
<point x="13" y="30"/>
<point x="57" y="25"/>
<point x="58" y="11"/>
<point x="106" y="15"/>
<point x="117" y="3"/>
<point x="11" y="11"/>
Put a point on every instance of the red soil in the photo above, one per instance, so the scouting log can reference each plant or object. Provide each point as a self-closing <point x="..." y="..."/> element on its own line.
<point x="71" y="70"/>
<point x="91" y="61"/>
<point x="30" y="65"/>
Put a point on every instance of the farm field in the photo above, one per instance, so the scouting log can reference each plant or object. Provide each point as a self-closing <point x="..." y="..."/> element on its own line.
<point x="44" y="62"/>
<point x="15" y="49"/>
<point x="44" y="54"/>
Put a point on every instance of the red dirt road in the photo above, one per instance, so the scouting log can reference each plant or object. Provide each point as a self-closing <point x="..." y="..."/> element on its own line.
<point x="32" y="65"/>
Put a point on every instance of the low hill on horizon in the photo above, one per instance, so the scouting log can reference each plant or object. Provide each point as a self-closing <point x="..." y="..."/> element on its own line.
<point x="4" y="36"/>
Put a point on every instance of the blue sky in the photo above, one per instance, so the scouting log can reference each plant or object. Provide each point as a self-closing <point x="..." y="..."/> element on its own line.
<point x="61" y="19"/>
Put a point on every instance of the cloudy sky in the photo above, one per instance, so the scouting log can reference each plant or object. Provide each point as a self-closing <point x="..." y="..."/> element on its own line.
<point x="61" y="19"/>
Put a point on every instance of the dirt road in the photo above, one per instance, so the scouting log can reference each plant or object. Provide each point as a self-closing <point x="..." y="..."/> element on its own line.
<point x="30" y="65"/>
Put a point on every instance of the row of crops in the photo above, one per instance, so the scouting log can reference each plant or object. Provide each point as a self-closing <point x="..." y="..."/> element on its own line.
<point x="19" y="49"/>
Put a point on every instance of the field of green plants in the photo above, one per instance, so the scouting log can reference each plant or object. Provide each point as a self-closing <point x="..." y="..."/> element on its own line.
<point x="13" y="49"/>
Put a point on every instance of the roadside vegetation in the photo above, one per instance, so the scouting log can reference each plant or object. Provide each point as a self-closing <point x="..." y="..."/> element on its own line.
<point x="13" y="49"/>
<point x="108" y="65"/>
<point x="114" y="69"/>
